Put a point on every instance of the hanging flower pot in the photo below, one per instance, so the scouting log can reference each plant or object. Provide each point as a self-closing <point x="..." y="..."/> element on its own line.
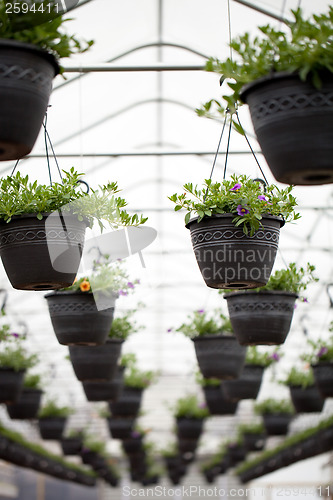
<point x="323" y="375"/>
<point x="25" y="246"/>
<point x="105" y="391"/>
<point x="261" y="318"/>
<point x="96" y="363"/>
<point x="306" y="399"/>
<point x="234" y="241"/>
<point x="189" y="428"/>
<point x="216" y="401"/>
<point x="128" y="403"/>
<point x="219" y="356"/>
<point x="134" y="444"/>
<point x="236" y="452"/>
<point x="246" y="386"/>
<point x="26" y="406"/>
<point x="254" y="441"/>
<point x="52" y="427"/>
<point x="76" y="319"/>
<point x="121" y="427"/>
<point x="291" y="120"/>
<point x="11" y="384"/>
<point x="71" y="445"/>
<point x="277" y="415"/>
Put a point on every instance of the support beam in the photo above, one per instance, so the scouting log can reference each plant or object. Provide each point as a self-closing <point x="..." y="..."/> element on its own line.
<point x="139" y="153"/>
<point x="109" y="67"/>
<point x="257" y="8"/>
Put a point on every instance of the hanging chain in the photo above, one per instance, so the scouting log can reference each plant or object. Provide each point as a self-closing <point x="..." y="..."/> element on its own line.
<point x="217" y="152"/>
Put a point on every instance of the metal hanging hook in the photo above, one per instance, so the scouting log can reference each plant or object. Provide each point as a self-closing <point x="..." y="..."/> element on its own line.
<point x="329" y="294"/>
<point x="80" y="181"/>
<point x="264" y="185"/>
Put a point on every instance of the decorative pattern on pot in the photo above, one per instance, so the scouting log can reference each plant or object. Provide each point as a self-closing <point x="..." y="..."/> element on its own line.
<point x="277" y="424"/>
<point x="11" y="385"/>
<point x="306" y="399"/>
<point x="261" y="318"/>
<point x="227" y="257"/>
<point x="292" y="121"/>
<point x="26" y="75"/>
<point x="96" y="363"/>
<point x="25" y="246"/>
<point x="76" y="319"/>
<point x="26" y="406"/>
<point x="323" y="375"/>
<point x="128" y="403"/>
<point x="247" y="386"/>
<point x="52" y="427"/>
<point x="219" y="356"/>
<point x="217" y="403"/>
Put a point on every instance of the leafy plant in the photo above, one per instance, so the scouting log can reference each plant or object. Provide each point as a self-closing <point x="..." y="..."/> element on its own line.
<point x="305" y="49"/>
<point x="240" y="196"/>
<point x="39" y="28"/>
<point x="32" y="381"/>
<point x="123" y="326"/>
<point x="321" y="350"/>
<point x="297" y="377"/>
<point x="201" y="323"/>
<point x="128" y="360"/>
<point x="13" y="353"/>
<point x="19" y="196"/>
<point x="207" y="382"/>
<point x="51" y="409"/>
<point x="138" y="379"/>
<point x="170" y="451"/>
<point x="265" y="359"/>
<point x="291" y="279"/>
<point x="189" y="407"/>
<point x="90" y="444"/>
<point x="257" y="428"/>
<point x="273" y="406"/>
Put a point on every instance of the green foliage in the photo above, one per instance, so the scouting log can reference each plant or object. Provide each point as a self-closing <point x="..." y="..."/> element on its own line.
<point x="32" y="381"/>
<point x="305" y="49"/>
<point x="19" y="196"/>
<point x="189" y="407"/>
<point x="207" y="382"/>
<point x="123" y="326"/>
<point x="292" y="279"/>
<point x="4" y="332"/>
<point x="94" y="445"/>
<point x="257" y="428"/>
<point x="40" y="29"/>
<point x="170" y="451"/>
<point x="321" y="350"/>
<point x="297" y="377"/>
<point x="13" y="352"/>
<point x="240" y="196"/>
<point x="255" y="357"/>
<point x="139" y="379"/>
<point x="51" y="409"/>
<point x="272" y="406"/>
<point x="128" y="360"/>
<point x="201" y="323"/>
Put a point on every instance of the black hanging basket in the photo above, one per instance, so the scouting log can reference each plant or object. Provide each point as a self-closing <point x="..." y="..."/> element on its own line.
<point x="227" y="257"/>
<point x="11" y="385"/>
<point x="219" y="356"/>
<point x="323" y="375"/>
<point x="96" y="363"/>
<point x="247" y="386"/>
<point x="261" y="318"/>
<point x="217" y="402"/>
<point x="121" y="427"/>
<point x="276" y="424"/>
<point x="26" y="74"/>
<point x="105" y="391"/>
<point x="254" y="441"/>
<point x="128" y="403"/>
<point x="52" y="427"/>
<point x="307" y="399"/>
<point x="76" y="319"/>
<point x="27" y="405"/>
<point x="189" y="428"/>
<point x="71" y="446"/>
<point x="237" y="453"/>
<point x="293" y="123"/>
<point x="27" y="244"/>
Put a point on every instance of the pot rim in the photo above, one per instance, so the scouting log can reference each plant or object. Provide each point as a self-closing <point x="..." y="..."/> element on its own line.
<point x="30" y="47"/>
<point x="59" y="293"/>
<point x="261" y="292"/>
<point x="279" y="75"/>
<point x="217" y="336"/>
<point x="322" y="363"/>
<point x="33" y="215"/>
<point x="229" y="216"/>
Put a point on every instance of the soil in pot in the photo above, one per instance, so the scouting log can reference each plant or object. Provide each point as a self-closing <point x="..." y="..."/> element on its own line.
<point x="76" y="319"/>
<point x="11" y="385"/>
<point x="227" y="257"/>
<point x="26" y="406"/>
<point x="96" y="363"/>
<point x="52" y="427"/>
<point x="261" y="318"/>
<point x="219" y="356"/>
<point x="292" y="121"/>
<point x="277" y="424"/>
<point x="128" y="403"/>
<point x="307" y="399"/>
<point x="25" y="88"/>
<point x="217" y="402"/>
<point x="323" y="375"/>
<point x="27" y="244"/>
<point x="247" y="386"/>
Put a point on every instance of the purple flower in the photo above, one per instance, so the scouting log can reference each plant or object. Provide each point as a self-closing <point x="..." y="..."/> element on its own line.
<point x="305" y="300"/>
<point x="169" y="330"/>
<point x="122" y="292"/>
<point x="130" y="284"/>
<point x="262" y="197"/>
<point x="322" y="351"/>
<point x="295" y="306"/>
<point x="242" y="210"/>
<point x="16" y="335"/>
<point x="275" y="356"/>
<point x="135" y="434"/>
<point x="202" y="405"/>
<point x="236" y="187"/>
<point x="201" y="311"/>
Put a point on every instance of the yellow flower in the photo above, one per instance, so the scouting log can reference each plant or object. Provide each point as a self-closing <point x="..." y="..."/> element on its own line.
<point x="85" y="286"/>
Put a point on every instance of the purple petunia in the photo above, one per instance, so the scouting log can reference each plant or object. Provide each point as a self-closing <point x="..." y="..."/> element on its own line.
<point x="236" y="187"/>
<point x="122" y="292"/>
<point x="322" y="351"/>
<point x="202" y="405"/>
<point x="16" y="335"/>
<point x="169" y="330"/>
<point x="262" y="197"/>
<point x="242" y="210"/>
<point x="275" y="356"/>
<point x="130" y="284"/>
<point x="201" y="311"/>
